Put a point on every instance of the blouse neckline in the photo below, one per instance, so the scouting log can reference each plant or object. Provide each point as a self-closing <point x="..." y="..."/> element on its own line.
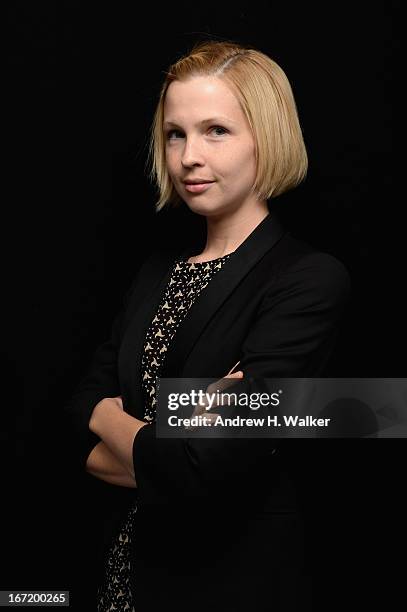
<point x="202" y="263"/>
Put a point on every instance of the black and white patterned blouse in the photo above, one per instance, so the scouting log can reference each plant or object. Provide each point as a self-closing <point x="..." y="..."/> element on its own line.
<point x="186" y="282"/>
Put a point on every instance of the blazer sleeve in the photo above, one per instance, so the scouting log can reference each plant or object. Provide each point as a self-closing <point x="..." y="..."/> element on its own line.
<point x="297" y="322"/>
<point x="100" y="381"/>
<point x="291" y="336"/>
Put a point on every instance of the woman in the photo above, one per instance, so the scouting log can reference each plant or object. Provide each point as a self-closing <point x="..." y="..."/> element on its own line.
<point x="214" y="521"/>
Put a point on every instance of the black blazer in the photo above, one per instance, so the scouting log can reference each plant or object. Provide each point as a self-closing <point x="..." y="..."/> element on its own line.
<point x="221" y="504"/>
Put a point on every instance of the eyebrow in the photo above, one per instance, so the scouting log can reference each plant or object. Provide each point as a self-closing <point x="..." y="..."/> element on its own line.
<point x="210" y="120"/>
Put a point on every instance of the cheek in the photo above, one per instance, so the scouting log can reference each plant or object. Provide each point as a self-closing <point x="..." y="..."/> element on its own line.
<point x="170" y="160"/>
<point x="242" y="165"/>
<point x="168" y="155"/>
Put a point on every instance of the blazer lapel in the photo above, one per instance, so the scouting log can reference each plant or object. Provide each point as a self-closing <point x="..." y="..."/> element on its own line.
<point x="147" y="296"/>
<point x="246" y="256"/>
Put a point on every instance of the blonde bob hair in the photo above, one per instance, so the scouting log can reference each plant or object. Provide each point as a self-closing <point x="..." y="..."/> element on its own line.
<point x="267" y="100"/>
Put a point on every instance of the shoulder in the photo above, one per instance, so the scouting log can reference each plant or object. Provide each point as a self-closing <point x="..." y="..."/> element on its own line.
<point x="302" y="271"/>
<point x="319" y="268"/>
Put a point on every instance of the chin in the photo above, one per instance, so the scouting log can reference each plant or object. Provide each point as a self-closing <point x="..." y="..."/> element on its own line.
<point x="203" y="208"/>
<point x="213" y="212"/>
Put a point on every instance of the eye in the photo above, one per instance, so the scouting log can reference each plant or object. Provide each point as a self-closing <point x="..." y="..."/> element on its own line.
<point x="171" y="132"/>
<point x="214" y="127"/>
<point x="218" y="127"/>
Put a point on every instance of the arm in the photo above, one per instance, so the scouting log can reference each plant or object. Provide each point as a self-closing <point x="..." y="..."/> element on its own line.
<point x="100" y="381"/>
<point x="117" y="429"/>
<point x="102" y="464"/>
<point x="292" y="336"/>
<point x="297" y="322"/>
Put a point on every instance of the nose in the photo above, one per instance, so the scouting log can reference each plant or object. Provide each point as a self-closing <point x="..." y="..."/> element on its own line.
<point x="191" y="154"/>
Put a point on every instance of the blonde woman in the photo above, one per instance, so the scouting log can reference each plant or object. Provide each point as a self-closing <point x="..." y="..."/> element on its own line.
<point x="214" y="524"/>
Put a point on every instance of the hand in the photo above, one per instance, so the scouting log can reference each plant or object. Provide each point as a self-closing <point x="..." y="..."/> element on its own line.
<point x="116" y="402"/>
<point x="219" y="385"/>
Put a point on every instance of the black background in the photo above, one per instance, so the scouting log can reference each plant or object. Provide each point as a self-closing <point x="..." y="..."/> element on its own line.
<point x="78" y="219"/>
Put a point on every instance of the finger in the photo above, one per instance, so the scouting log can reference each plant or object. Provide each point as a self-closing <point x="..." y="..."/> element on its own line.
<point x="238" y="374"/>
<point x="219" y="398"/>
<point x="225" y="382"/>
<point x="230" y="371"/>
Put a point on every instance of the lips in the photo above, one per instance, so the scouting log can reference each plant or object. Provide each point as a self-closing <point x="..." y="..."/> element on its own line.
<point x="198" y="187"/>
<point x="197" y="181"/>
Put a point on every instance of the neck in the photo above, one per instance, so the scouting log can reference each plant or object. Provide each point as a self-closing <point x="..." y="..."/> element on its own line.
<point x="226" y="233"/>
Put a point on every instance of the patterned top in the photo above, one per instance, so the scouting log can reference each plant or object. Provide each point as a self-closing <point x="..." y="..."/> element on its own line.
<point x="186" y="282"/>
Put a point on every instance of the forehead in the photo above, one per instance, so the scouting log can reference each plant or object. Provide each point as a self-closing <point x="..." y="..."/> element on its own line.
<point x="200" y="96"/>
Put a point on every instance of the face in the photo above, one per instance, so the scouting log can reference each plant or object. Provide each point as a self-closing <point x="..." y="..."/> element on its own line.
<point x="208" y="137"/>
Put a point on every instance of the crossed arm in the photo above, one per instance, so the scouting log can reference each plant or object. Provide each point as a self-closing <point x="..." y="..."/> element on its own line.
<point x="102" y="464"/>
<point x="111" y="459"/>
<point x="295" y="326"/>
